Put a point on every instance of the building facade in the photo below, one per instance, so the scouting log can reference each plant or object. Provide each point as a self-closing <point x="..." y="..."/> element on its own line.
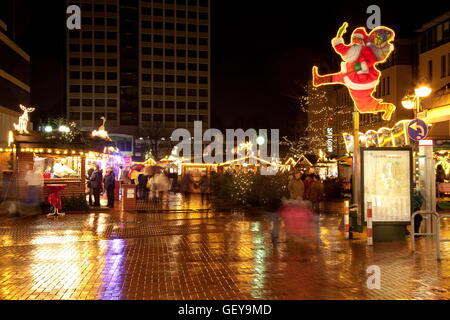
<point x="144" y="65"/>
<point x="14" y="82"/>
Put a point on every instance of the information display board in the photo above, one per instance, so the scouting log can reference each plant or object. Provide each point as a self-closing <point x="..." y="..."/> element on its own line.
<point x="387" y="183"/>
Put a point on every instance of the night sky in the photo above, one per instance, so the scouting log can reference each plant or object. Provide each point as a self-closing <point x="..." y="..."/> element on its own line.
<point x="262" y="51"/>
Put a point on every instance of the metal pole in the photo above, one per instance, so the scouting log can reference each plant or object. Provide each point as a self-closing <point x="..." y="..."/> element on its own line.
<point x="356" y="166"/>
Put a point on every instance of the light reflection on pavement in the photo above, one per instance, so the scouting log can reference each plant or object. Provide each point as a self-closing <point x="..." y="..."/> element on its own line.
<point x="196" y="253"/>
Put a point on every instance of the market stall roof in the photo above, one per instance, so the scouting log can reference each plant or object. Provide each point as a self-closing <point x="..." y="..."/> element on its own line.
<point x="82" y="141"/>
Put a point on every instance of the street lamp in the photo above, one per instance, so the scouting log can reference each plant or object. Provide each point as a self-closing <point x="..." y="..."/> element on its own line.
<point x="412" y="101"/>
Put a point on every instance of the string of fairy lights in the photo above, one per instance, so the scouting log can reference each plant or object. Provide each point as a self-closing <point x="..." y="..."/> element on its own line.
<point x="322" y="114"/>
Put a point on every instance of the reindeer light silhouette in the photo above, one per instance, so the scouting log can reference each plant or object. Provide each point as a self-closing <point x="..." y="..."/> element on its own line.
<point x="21" y="127"/>
<point x="101" y="132"/>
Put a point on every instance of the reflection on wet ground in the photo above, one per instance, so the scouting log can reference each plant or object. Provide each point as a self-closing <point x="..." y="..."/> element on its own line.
<point x="195" y="253"/>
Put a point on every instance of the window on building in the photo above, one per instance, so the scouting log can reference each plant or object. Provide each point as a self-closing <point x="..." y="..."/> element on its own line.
<point x="181" y="14"/>
<point x="111" y="103"/>
<point x="181" y="92"/>
<point x="181" y="118"/>
<point x="158" y="91"/>
<point x="87" y="48"/>
<point x="170" y="118"/>
<point x="111" y="22"/>
<point x="112" y="89"/>
<point x="170" y="65"/>
<point x="158" y="117"/>
<point x="158" y="104"/>
<point x="170" y="52"/>
<point x="181" y="66"/>
<point x="170" y="104"/>
<point x="99" y="35"/>
<point x="192" y="54"/>
<point x="158" y="78"/>
<point x="75" y="88"/>
<point x="388" y="86"/>
<point x="192" y="41"/>
<point x="74" y="75"/>
<point x="203" y="105"/>
<point x="146" y="104"/>
<point x="170" y="13"/>
<point x="99" y="48"/>
<point x="146" y="11"/>
<point x="181" y="27"/>
<point x="203" y="80"/>
<point x="74" y="47"/>
<point x="112" y="76"/>
<point x="192" y="79"/>
<point x="158" y="12"/>
<point x="170" y="78"/>
<point x="192" y="67"/>
<point x="203" y="41"/>
<point x="203" y="67"/>
<point x="99" y="102"/>
<point x="74" y="116"/>
<point x="203" y="54"/>
<point x="111" y="8"/>
<point x="87" y="116"/>
<point x="87" y="34"/>
<point x="203" y="93"/>
<point x="203" y="16"/>
<point x="158" y="38"/>
<point x="192" y="105"/>
<point x="181" y="105"/>
<point x="430" y="70"/>
<point x="74" y="61"/>
<point x="170" y="39"/>
<point x="87" y="102"/>
<point x="443" y="66"/>
<point x="99" y="76"/>
<point x="192" y="93"/>
<point x="87" y="75"/>
<point x="181" y="79"/>
<point x="170" y="92"/>
<point x="74" y="102"/>
<point x="99" y="89"/>
<point x="112" y="35"/>
<point x="181" y="40"/>
<point x="146" y="117"/>
<point x="87" y="89"/>
<point x="203" y="28"/>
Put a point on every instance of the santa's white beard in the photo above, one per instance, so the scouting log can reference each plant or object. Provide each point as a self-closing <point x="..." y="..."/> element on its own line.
<point x="353" y="53"/>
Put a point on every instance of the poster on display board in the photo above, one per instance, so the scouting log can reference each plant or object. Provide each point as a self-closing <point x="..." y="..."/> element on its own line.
<point x="387" y="183"/>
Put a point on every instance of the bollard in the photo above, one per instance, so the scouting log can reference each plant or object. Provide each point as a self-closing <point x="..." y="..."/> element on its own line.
<point x="369" y="224"/>
<point x="346" y="219"/>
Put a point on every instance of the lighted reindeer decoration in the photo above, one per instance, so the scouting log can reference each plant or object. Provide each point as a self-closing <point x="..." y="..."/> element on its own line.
<point x="101" y="132"/>
<point x="23" y="120"/>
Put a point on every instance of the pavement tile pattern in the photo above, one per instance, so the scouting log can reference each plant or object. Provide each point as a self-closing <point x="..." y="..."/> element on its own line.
<point x="195" y="253"/>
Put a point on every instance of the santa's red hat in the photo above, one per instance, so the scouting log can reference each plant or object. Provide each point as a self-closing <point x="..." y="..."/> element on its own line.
<point x="360" y="33"/>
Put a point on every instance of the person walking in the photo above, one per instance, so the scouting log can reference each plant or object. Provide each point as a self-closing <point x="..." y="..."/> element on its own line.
<point x="204" y="186"/>
<point x="296" y="187"/>
<point x="110" y="184"/>
<point x="142" y="185"/>
<point x="186" y="183"/>
<point x="96" y="184"/>
<point x="89" y="183"/>
<point x="316" y="191"/>
<point x="35" y="182"/>
<point x="418" y="201"/>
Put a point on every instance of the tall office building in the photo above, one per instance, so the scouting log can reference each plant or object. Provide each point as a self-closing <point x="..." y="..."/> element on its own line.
<point x="145" y="65"/>
<point x="14" y="75"/>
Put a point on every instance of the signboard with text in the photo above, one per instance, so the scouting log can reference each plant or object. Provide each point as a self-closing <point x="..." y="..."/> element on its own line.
<point x="387" y="183"/>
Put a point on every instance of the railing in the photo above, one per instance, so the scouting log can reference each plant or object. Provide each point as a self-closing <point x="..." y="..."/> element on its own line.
<point x="413" y="234"/>
<point x="438" y="219"/>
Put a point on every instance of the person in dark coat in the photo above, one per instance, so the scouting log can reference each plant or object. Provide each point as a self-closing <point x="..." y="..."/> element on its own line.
<point x="110" y="183"/>
<point x="89" y="184"/>
<point x="96" y="184"/>
<point x="316" y="191"/>
<point x="142" y="190"/>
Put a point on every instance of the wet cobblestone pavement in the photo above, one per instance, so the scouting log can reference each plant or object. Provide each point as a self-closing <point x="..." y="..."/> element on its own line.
<point x="200" y="254"/>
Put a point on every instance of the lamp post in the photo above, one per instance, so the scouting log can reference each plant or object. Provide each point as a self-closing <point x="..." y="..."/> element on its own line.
<point x="427" y="178"/>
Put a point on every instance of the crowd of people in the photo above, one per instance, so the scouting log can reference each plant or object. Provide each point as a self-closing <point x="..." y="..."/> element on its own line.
<point x="306" y="187"/>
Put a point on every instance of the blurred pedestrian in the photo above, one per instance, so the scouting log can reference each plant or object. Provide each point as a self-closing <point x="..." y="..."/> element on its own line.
<point x="142" y="185"/>
<point x="96" y="184"/>
<point x="110" y="184"/>
<point x="418" y="201"/>
<point x="296" y="187"/>
<point x="204" y="186"/>
<point x="35" y="182"/>
<point x="186" y="182"/>
<point x="316" y="191"/>
<point x="89" y="183"/>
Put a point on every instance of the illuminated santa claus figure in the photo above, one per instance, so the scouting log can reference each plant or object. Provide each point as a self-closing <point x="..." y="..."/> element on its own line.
<point x="358" y="71"/>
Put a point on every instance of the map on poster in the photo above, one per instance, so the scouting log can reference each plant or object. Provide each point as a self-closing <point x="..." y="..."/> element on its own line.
<point x="387" y="184"/>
